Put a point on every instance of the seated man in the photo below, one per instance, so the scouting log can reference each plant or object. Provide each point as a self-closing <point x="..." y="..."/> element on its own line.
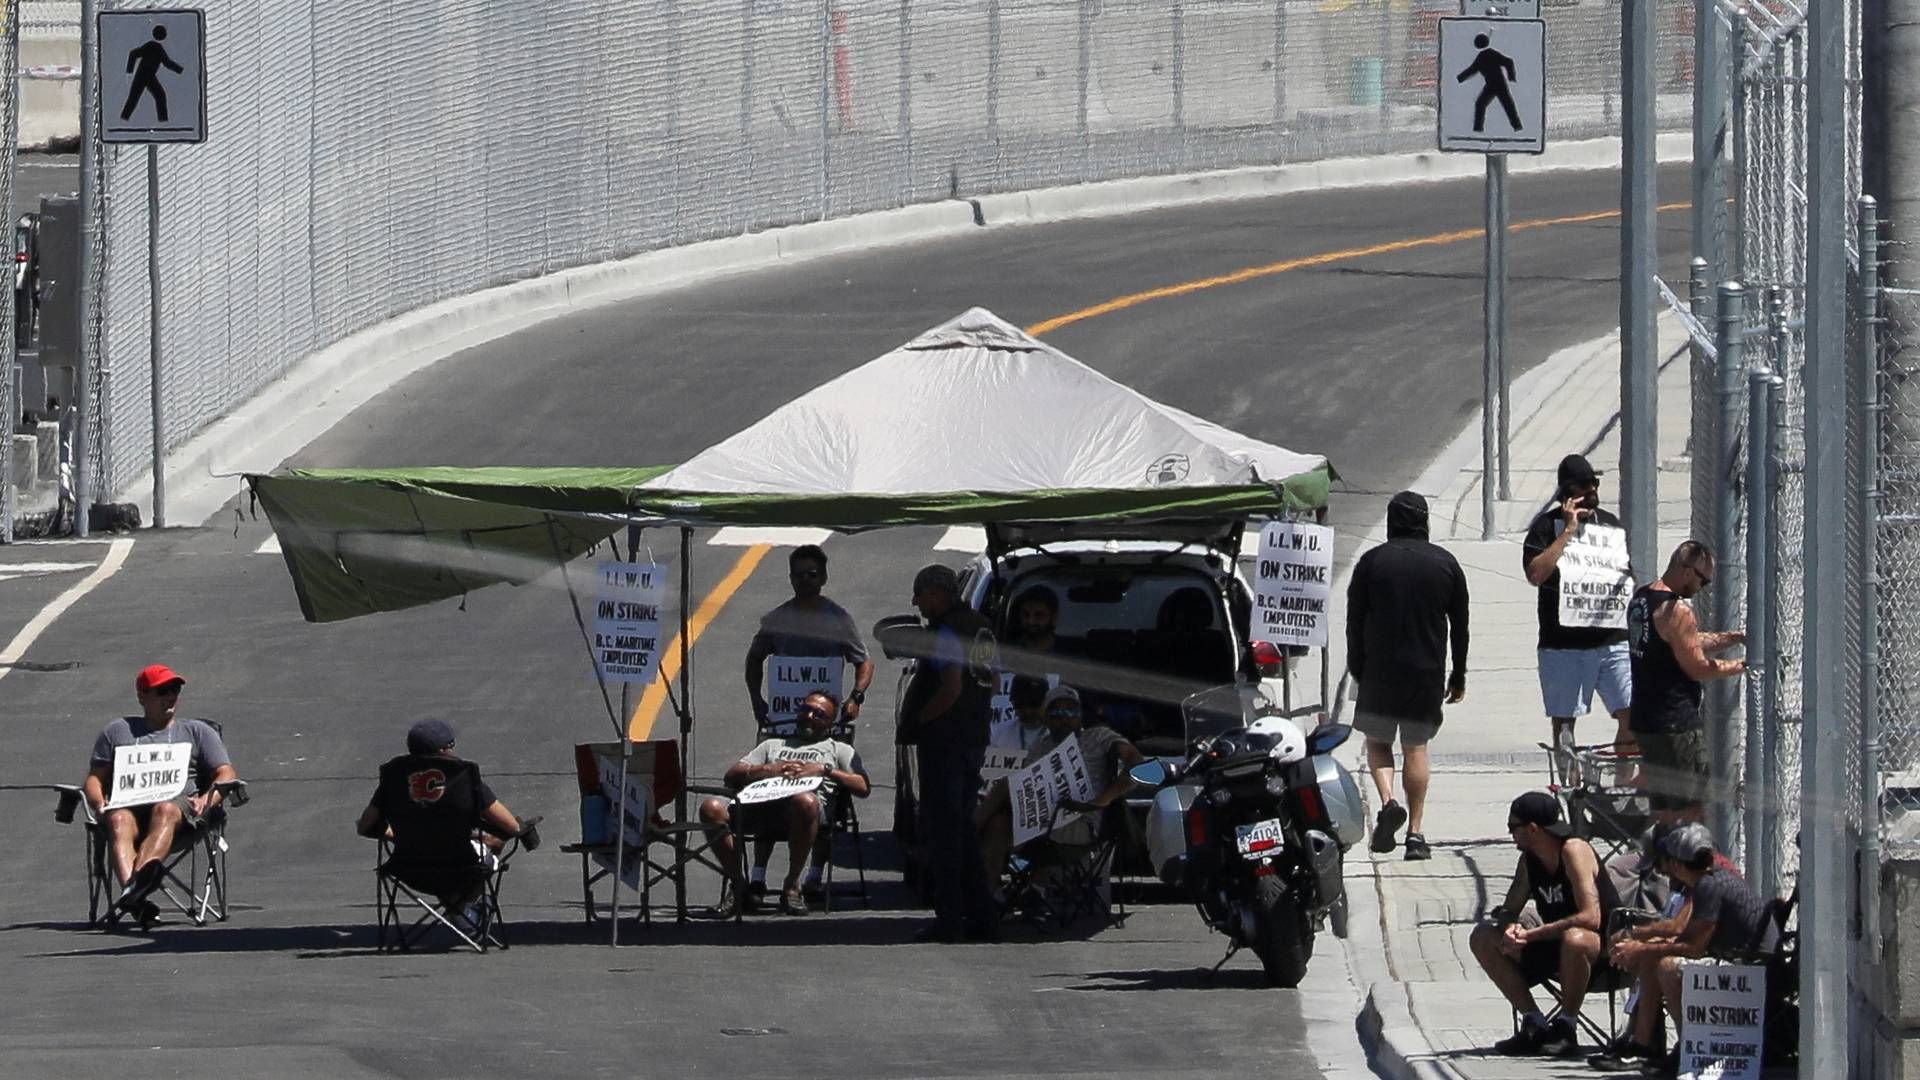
<point x="811" y="751"/>
<point x="139" y="838"/>
<point x="1723" y="914"/>
<point x="1572" y="895"/>
<point x="1107" y="755"/>
<point x="440" y="861"/>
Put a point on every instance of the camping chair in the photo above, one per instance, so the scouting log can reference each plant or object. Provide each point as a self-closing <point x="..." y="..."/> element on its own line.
<point x="197" y="889"/>
<point x="1781" y="1035"/>
<point x="433" y="810"/>
<point x="844" y="822"/>
<point x="671" y="847"/>
<point x="1605" y="979"/>
<point x="1064" y="877"/>
<point x="1611" y="816"/>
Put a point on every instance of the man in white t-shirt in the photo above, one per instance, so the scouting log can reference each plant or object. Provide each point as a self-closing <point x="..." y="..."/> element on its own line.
<point x="809" y="753"/>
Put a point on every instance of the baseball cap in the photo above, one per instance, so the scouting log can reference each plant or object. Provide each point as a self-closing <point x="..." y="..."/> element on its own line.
<point x="1689" y="845"/>
<point x="1059" y="694"/>
<point x="1577" y="472"/>
<point x="154" y="675"/>
<point x="1542" y="809"/>
<point x="429" y="736"/>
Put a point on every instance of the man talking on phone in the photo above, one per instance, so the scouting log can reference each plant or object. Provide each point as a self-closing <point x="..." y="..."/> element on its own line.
<point x="1575" y="661"/>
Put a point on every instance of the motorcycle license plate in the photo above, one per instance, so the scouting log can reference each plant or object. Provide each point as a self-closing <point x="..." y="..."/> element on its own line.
<point x="1258" y="839"/>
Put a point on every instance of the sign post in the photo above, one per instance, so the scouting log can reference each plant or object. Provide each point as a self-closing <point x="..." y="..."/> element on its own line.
<point x="1492" y="81"/>
<point x="626" y="647"/>
<point x="153" y="89"/>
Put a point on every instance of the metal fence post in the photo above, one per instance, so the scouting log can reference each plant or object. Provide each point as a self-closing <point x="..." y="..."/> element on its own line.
<point x="1180" y="82"/>
<point x="1827" y="855"/>
<point x="993" y="86"/>
<point x="1085" y="77"/>
<point x="1709" y="134"/>
<point x="1759" y="790"/>
<point x="9" y="141"/>
<point x="1768" y="881"/>
<point x="91" y="270"/>
<point x="1729" y="337"/>
<point x="1279" y="79"/>
<point x="1867" y="365"/>
<point x="906" y="102"/>
<point x="1639" y="370"/>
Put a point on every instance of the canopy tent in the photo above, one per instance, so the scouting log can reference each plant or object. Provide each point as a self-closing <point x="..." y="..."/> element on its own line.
<point x="972" y="422"/>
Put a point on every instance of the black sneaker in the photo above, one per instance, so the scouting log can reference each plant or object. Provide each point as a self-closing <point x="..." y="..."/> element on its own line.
<point x="1386" y="823"/>
<point x="1624" y="1055"/>
<point x="1524" y="1043"/>
<point x="1662" y="1065"/>
<point x="1562" y="1039"/>
<point x="1417" y="849"/>
<point x="728" y="906"/>
<point x="756" y="896"/>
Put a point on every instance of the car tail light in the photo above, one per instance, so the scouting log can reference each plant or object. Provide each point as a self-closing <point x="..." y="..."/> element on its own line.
<point x="1266" y="657"/>
<point x="1196" y="828"/>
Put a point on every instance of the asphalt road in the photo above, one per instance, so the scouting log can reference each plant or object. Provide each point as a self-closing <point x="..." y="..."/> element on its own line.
<point x="1373" y="361"/>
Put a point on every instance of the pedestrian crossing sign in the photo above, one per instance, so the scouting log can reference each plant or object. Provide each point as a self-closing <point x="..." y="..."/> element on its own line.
<point x="153" y="75"/>
<point x="1493" y="85"/>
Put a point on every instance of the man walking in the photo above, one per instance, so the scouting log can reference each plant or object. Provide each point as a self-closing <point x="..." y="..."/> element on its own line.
<point x="1670" y="661"/>
<point x="947" y="708"/>
<point x="1406" y="598"/>
<point x="808" y="632"/>
<point x="1575" y="661"/>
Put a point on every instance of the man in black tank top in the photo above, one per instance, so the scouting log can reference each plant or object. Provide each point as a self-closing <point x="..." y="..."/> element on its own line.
<point x="1670" y="661"/>
<point x="1572" y="897"/>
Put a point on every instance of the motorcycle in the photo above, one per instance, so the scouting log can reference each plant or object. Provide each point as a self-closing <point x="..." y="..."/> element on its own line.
<point x="1254" y="827"/>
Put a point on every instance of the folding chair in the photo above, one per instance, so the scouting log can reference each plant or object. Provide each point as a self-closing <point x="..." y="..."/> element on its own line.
<point x="1061" y="879"/>
<point x="1781" y="1035"/>
<point x="433" y="807"/>
<point x="197" y="889"/>
<point x="1607" y="814"/>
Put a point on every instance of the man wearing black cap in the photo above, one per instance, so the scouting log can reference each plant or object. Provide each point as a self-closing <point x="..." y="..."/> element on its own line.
<point x="947" y="712"/>
<point x="1572" y="897"/>
<point x="1575" y="661"/>
<point x="1404" y="601"/>
<point x="434" y="739"/>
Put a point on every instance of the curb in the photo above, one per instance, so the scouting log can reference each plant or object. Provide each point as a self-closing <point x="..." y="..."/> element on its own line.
<point x="323" y="388"/>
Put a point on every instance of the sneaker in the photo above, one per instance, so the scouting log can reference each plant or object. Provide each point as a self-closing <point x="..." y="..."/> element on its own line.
<point x="1523" y="1043"/>
<point x="1388" y="822"/>
<point x="728" y="906"/>
<point x="1624" y="1055"/>
<point x="813" y="889"/>
<point x="1662" y="1065"/>
<point x="756" y="896"/>
<point x="1563" y="1040"/>
<point x="793" y="903"/>
<point x="1417" y="849"/>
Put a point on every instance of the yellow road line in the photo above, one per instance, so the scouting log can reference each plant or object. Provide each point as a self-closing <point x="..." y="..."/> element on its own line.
<point x="1252" y="273"/>
<point x="640" y="726"/>
<point x="647" y="712"/>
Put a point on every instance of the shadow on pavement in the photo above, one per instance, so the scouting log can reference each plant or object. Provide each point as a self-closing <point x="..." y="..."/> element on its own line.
<point x="1202" y="978"/>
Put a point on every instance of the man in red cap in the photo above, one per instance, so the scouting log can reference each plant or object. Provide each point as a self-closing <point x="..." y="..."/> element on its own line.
<point x="140" y="837"/>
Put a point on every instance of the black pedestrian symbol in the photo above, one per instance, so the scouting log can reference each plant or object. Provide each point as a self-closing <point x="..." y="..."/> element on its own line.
<point x="1495" y="69"/>
<point x="144" y="63"/>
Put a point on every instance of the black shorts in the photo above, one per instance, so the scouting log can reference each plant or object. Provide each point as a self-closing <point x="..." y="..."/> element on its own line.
<point x="1540" y="961"/>
<point x="1384" y="728"/>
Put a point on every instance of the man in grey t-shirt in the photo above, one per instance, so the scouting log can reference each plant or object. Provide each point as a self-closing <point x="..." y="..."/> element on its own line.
<point x="811" y="753"/>
<point x="140" y="837"/>
<point x="809" y="625"/>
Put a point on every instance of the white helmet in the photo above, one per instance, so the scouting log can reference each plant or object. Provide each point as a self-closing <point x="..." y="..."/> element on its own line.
<point x="1289" y="745"/>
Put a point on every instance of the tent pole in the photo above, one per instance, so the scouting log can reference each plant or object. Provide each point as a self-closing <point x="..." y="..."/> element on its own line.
<point x="622" y="733"/>
<point x="686" y="723"/>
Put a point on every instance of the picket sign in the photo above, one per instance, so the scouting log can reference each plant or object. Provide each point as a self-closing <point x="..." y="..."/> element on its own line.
<point x="148" y="773"/>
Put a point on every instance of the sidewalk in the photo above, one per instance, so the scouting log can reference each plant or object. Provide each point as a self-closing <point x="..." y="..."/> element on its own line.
<point x="1430" y="1012"/>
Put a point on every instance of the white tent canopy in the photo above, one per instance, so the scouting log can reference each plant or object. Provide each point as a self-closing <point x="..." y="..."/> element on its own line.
<point x="977" y="404"/>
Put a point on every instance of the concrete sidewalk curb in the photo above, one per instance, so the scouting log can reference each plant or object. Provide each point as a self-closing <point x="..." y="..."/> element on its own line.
<point x="323" y="388"/>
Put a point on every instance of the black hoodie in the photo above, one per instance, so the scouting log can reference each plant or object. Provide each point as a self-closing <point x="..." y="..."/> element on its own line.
<point x="1403" y="599"/>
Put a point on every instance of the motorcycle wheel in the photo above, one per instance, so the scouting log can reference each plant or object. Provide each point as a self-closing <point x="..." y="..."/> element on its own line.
<point x="1282" y="938"/>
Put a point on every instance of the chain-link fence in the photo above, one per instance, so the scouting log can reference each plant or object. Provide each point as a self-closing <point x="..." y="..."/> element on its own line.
<point x="10" y="408"/>
<point x="1897" y="521"/>
<point x="365" y="160"/>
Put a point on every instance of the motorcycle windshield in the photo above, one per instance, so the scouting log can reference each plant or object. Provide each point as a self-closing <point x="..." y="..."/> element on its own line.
<point x="1215" y="711"/>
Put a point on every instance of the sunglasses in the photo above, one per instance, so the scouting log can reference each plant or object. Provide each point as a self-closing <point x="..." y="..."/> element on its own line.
<point x="169" y="690"/>
<point x="1705" y="579"/>
<point x="1514" y="825"/>
<point x="806" y="575"/>
<point x="810" y="712"/>
<point x="1063" y="714"/>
